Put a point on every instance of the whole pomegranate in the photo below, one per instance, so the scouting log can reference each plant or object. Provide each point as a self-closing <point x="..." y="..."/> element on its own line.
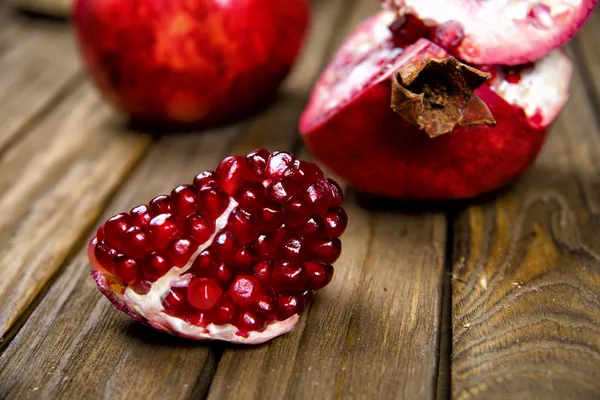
<point x="189" y="62"/>
<point x="235" y="256"/>
<point x="396" y="115"/>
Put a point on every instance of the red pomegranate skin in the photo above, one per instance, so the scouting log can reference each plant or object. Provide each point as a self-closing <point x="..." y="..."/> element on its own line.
<point x="189" y="62"/>
<point x="387" y="156"/>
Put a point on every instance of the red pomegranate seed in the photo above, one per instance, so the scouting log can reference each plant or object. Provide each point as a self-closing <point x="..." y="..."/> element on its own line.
<point x="327" y="250"/>
<point x="257" y="162"/>
<point x="296" y="211"/>
<point x="204" y="293"/>
<point x="336" y="221"/>
<point x="319" y="196"/>
<point x="181" y="250"/>
<point x="163" y="229"/>
<point x="244" y="290"/>
<point x="212" y="202"/>
<point x="307" y="297"/>
<point x="200" y="319"/>
<point x="115" y="229"/>
<point x="265" y="304"/>
<point x="140" y="216"/>
<point x="161" y="205"/>
<point x="241" y="225"/>
<point x="222" y="274"/>
<point x="142" y="287"/>
<point x="206" y="178"/>
<point x="242" y="260"/>
<point x="270" y="218"/>
<point x="292" y="250"/>
<point x="203" y="264"/>
<point x="278" y="192"/>
<point x="315" y="225"/>
<point x="251" y="197"/>
<point x="225" y="312"/>
<point x="100" y="233"/>
<point x="136" y="243"/>
<point x="176" y="300"/>
<point x="156" y="266"/>
<point x="288" y="305"/>
<point x="319" y="274"/>
<point x="125" y="268"/>
<point x="288" y="277"/>
<point x="183" y="198"/>
<point x="336" y="192"/>
<point x="251" y="321"/>
<point x="199" y="228"/>
<point x="224" y="246"/>
<point x="263" y="247"/>
<point x="262" y="271"/>
<point x="407" y="30"/>
<point x="302" y="174"/>
<point x="105" y="255"/>
<point x="449" y="35"/>
<point x="278" y="163"/>
<point x="231" y="174"/>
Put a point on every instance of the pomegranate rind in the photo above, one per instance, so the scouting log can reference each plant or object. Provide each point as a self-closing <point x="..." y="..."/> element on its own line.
<point x="360" y="138"/>
<point x="499" y="32"/>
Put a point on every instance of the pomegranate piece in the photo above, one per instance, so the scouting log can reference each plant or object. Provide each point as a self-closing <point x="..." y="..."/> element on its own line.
<point x="491" y="32"/>
<point x="218" y="259"/>
<point x="182" y="62"/>
<point x="349" y="124"/>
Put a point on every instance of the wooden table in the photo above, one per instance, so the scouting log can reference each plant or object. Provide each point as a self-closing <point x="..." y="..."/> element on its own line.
<point x="495" y="298"/>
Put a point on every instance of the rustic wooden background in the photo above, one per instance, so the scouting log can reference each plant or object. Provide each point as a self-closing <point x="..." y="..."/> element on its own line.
<point x="495" y="298"/>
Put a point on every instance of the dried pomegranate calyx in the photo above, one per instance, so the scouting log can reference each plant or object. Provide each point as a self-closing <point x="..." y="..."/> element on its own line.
<point x="437" y="95"/>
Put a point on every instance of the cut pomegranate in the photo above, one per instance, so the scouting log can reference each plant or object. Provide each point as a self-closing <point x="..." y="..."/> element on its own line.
<point x="220" y="260"/>
<point x="350" y="126"/>
<point x="492" y="32"/>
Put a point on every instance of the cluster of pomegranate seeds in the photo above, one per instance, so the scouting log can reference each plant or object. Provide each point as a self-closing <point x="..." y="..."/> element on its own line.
<point x="407" y="29"/>
<point x="284" y="219"/>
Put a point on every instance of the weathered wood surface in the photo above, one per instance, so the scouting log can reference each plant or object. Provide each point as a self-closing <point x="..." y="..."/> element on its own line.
<point x="55" y="8"/>
<point x="526" y="275"/>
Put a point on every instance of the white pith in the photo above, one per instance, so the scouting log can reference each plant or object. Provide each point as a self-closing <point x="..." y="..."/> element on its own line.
<point x="542" y="89"/>
<point x="497" y="31"/>
<point x="150" y="305"/>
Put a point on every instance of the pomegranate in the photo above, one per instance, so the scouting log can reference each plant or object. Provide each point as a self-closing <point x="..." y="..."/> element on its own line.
<point x="496" y="32"/>
<point x="189" y="62"/>
<point x="350" y="126"/>
<point x="235" y="256"/>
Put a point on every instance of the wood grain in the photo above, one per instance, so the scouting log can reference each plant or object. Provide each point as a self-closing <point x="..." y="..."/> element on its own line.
<point x="39" y="66"/>
<point x="373" y="332"/>
<point x="526" y="310"/>
<point x="55" y="182"/>
<point x="57" y="8"/>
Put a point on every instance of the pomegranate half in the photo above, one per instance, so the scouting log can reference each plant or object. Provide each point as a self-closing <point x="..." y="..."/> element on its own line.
<point x="350" y="126"/>
<point x="235" y="256"/>
<point x="189" y="62"/>
<point x="499" y="31"/>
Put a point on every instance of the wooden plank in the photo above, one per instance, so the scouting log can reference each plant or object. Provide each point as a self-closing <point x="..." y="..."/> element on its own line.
<point x="588" y="55"/>
<point x="373" y="332"/>
<point x="54" y="183"/>
<point x="526" y="310"/>
<point x="38" y="67"/>
<point x="57" y="8"/>
<point x="76" y="345"/>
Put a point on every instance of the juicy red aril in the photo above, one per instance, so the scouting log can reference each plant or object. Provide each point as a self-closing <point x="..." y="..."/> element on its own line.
<point x="312" y="227"/>
<point x="142" y="287"/>
<point x="265" y="304"/>
<point x="288" y="277"/>
<point x="163" y="229"/>
<point x="278" y="163"/>
<point x="183" y="199"/>
<point x="160" y="205"/>
<point x="222" y="274"/>
<point x="262" y="271"/>
<point x="125" y="268"/>
<point x="327" y="250"/>
<point x="176" y="300"/>
<point x="224" y="246"/>
<point x="203" y="264"/>
<point x="407" y="30"/>
<point x="251" y="197"/>
<point x="319" y="196"/>
<point x="105" y="255"/>
<point x="288" y="306"/>
<point x="263" y="247"/>
<point x="206" y="178"/>
<point x="279" y="192"/>
<point x="296" y="211"/>
<point x="270" y="218"/>
<point x="292" y="250"/>
<point x="156" y="266"/>
<point x="242" y="260"/>
<point x="302" y="174"/>
<point x="100" y="233"/>
<point x="319" y="274"/>
<point x="181" y="250"/>
<point x="257" y="162"/>
<point x="448" y="35"/>
<point x="336" y="221"/>
<point x="198" y="319"/>
<point x="241" y="225"/>
<point x="199" y="228"/>
<point x="204" y="293"/>
<point x="140" y="216"/>
<point x="115" y="228"/>
<point x="231" y="174"/>
<point x="244" y="290"/>
<point x="136" y="242"/>
<point x="251" y="321"/>
<point x="225" y="312"/>
<point x="212" y="202"/>
<point x="336" y="192"/>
